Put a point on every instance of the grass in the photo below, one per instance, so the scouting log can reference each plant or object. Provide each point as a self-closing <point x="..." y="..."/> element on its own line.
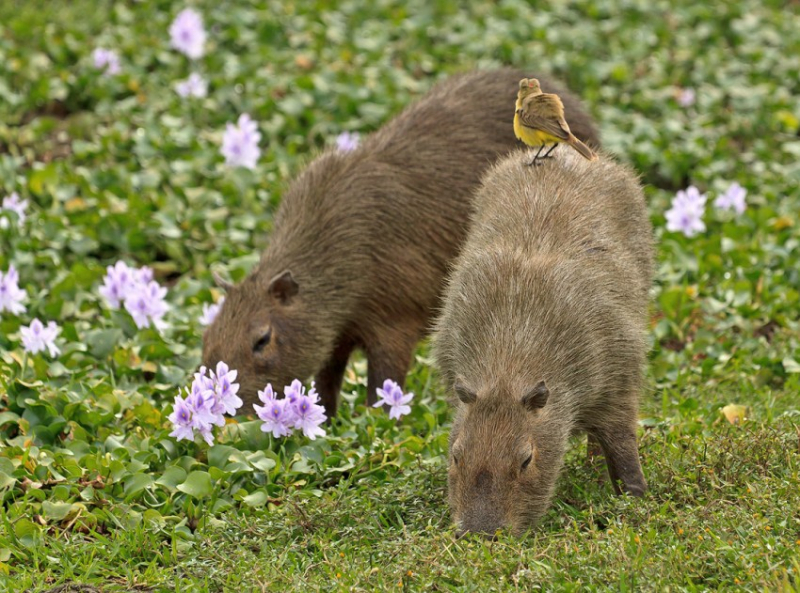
<point x="95" y="492"/>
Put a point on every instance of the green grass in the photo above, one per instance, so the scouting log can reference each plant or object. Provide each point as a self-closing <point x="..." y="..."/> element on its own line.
<point x="94" y="491"/>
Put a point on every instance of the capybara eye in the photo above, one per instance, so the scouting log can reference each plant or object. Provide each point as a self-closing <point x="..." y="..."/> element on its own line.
<point x="263" y="341"/>
<point x="527" y="462"/>
<point x="455" y="460"/>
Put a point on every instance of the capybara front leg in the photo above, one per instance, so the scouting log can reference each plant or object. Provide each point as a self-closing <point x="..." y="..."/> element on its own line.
<point x="388" y="360"/>
<point x="622" y="457"/>
<point x="329" y="378"/>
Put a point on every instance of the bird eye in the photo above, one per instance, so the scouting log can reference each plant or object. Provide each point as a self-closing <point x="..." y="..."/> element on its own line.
<point x="527" y="462"/>
<point x="263" y="341"/>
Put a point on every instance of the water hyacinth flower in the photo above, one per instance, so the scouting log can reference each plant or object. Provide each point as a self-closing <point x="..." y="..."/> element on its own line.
<point x="121" y="280"/>
<point x="37" y="337"/>
<point x="181" y="419"/>
<point x="194" y="86"/>
<point x="187" y="34"/>
<point x="297" y="410"/>
<point x="145" y="303"/>
<point x="210" y="312"/>
<point x="348" y="141"/>
<point x="392" y="396"/>
<point x="225" y="390"/>
<point x="11" y="295"/>
<point x="210" y="396"/>
<point x="309" y="414"/>
<point x="732" y="199"/>
<point x="686" y="97"/>
<point x="277" y="414"/>
<point x="12" y="203"/>
<point x="106" y="60"/>
<point x="240" y="143"/>
<point x="686" y="214"/>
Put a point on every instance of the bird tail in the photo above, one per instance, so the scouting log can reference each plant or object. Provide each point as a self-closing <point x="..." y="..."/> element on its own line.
<point x="585" y="151"/>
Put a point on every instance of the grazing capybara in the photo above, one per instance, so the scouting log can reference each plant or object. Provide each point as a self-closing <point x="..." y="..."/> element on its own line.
<point x="362" y="241"/>
<point x="542" y="334"/>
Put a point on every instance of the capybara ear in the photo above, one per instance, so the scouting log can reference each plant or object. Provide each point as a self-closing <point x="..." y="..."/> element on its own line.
<point x="221" y="282"/>
<point x="536" y="398"/>
<point x="283" y="287"/>
<point x="464" y="393"/>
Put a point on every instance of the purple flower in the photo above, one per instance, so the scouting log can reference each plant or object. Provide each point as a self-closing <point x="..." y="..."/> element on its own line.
<point x="210" y="312"/>
<point x="12" y="203"/>
<point x="686" y="214"/>
<point x="37" y="337"/>
<point x="348" y="141"/>
<point x="278" y="414"/>
<point x="194" y="86"/>
<point x="733" y="198"/>
<point x="392" y="396"/>
<point x="308" y="415"/>
<point x="240" y="143"/>
<point x="225" y="390"/>
<point x="118" y="281"/>
<point x="187" y="34"/>
<point x="686" y="97"/>
<point x="106" y="59"/>
<point x="181" y="419"/>
<point x="145" y="303"/>
<point x="11" y="295"/>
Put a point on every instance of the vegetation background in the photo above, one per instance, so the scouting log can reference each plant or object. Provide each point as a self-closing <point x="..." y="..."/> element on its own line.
<point x="120" y="167"/>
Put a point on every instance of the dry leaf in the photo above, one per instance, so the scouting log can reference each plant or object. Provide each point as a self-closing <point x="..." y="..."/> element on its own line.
<point x="734" y="413"/>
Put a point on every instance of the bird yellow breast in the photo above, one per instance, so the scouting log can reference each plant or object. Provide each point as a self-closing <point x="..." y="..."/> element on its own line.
<point x="532" y="137"/>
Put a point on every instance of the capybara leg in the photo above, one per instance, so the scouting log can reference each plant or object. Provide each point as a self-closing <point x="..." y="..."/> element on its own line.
<point x="622" y="458"/>
<point x="387" y="360"/>
<point x="329" y="378"/>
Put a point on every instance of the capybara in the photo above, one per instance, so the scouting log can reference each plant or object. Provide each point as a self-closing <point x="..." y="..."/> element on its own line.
<point x="543" y="333"/>
<point x="362" y="241"/>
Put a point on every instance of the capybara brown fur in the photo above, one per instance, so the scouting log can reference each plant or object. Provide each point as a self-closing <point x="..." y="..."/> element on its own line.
<point x="362" y="241"/>
<point x="543" y="334"/>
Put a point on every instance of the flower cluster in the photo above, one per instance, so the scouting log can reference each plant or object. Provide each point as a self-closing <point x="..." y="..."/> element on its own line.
<point x="11" y="295"/>
<point x="348" y="141"/>
<point x="187" y="34"/>
<point x="210" y="312"/>
<point x="240" y="143"/>
<point x="106" y="60"/>
<point x="689" y="206"/>
<point x="686" y="97"/>
<point x="686" y="214"/>
<point x="296" y="410"/>
<point x="391" y="395"/>
<point x="12" y="203"/>
<point x="732" y="199"/>
<point x="37" y="337"/>
<point x="194" y="86"/>
<point x="211" y="395"/>
<point x="135" y="288"/>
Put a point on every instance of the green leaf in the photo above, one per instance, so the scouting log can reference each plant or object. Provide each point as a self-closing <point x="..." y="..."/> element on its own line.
<point x="790" y="365"/>
<point x="256" y="499"/>
<point x="197" y="484"/>
<point x="172" y="477"/>
<point x="55" y="511"/>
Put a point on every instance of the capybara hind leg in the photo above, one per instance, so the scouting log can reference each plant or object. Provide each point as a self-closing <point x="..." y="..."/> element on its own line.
<point x="329" y="378"/>
<point x="388" y="360"/>
<point x="622" y="459"/>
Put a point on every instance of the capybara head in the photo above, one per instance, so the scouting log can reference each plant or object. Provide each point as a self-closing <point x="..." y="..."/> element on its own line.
<point x="503" y="465"/>
<point x="261" y="330"/>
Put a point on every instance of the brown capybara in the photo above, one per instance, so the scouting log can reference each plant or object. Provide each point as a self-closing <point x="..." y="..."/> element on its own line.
<point x="542" y="334"/>
<point x="362" y="241"/>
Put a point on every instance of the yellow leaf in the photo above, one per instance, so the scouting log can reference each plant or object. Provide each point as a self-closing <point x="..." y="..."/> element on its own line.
<point x="782" y="222"/>
<point x="75" y="204"/>
<point x="734" y="414"/>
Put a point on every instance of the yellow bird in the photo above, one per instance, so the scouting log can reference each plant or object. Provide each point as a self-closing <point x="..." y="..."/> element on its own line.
<point x="539" y="121"/>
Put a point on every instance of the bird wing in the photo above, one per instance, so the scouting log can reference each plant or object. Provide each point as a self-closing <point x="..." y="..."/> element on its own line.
<point x="530" y="117"/>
